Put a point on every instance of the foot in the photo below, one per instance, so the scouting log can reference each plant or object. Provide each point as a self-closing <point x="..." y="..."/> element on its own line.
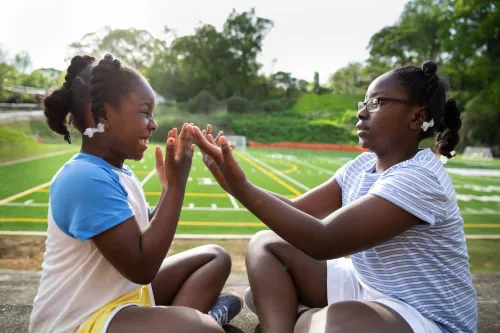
<point x="227" y="306"/>
<point x="249" y="300"/>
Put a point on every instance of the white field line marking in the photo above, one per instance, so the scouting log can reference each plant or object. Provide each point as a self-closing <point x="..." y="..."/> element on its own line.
<point x="290" y="179"/>
<point x="313" y="167"/>
<point x="37" y="157"/>
<point x="233" y="201"/>
<point x="23" y="194"/>
<point x="148" y="177"/>
<point x="190" y="207"/>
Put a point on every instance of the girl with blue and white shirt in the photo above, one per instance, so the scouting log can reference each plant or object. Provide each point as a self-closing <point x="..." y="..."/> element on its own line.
<point x="393" y="210"/>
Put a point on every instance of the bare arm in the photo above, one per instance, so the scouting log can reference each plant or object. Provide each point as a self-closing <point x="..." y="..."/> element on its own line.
<point x="138" y="254"/>
<point x="319" y="202"/>
<point x="360" y="225"/>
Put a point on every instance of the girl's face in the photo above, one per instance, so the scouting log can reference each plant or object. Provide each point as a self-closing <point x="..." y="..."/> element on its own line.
<point x="386" y="117"/>
<point x="130" y="126"/>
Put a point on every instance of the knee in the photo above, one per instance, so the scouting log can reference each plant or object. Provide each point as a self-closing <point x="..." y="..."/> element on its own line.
<point x="220" y="255"/>
<point x="262" y="239"/>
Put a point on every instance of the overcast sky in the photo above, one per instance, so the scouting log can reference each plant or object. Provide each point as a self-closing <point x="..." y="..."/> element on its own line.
<point x="308" y="36"/>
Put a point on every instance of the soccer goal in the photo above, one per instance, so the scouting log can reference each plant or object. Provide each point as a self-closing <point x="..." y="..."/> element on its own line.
<point x="477" y="153"/>
<point x="237" y="141"/>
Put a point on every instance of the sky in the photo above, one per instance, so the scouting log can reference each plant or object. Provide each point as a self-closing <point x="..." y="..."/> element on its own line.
<point x="308" y="36"/>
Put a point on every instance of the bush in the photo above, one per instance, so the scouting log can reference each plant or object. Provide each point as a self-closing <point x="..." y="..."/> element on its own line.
<point x="279" y="128"/>
<point x="272" y="105"/>
<point x="237" y="104"/>
<point x="201" y="103"/>
<point x="224" y="121"/>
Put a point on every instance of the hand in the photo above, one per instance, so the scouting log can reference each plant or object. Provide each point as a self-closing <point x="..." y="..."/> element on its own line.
<point x="210" y="162"/>
<point x="179" y="156"/>
<point x="233" y="175"/>
<point x="160" y="162"/>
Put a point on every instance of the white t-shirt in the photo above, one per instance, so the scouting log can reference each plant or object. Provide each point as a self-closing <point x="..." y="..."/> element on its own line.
<point x="87" y="196"/>
<point x="428" y="265"/>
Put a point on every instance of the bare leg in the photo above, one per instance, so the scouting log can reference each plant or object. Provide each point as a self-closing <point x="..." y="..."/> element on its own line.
<point x="352" y="317"/>
<point x="193" y="278"/>
<point x="280" y="275"/>
<point x="162" y="320"/>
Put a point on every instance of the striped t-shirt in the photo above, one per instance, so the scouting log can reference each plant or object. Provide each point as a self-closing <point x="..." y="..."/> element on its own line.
<point x="428" y="265"/>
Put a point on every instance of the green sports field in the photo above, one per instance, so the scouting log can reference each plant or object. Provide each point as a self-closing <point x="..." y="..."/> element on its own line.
<point x="209" y="210"/>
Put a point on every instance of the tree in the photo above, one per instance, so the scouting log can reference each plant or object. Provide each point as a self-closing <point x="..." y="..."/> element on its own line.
<point x="463" y="36"/>
<point x="136" y="47"/>
<point x="316" y="87"/>
<point x="223" y="63"/>
<point x="22" y="61"/>
<point x="349" y="79"/>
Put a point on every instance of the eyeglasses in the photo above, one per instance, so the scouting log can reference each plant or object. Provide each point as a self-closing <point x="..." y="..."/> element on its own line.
<point x="374" y="104"/>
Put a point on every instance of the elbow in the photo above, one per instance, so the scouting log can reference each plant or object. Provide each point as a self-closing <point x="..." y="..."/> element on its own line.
<point x="140" y="275"/>
<point x="142" y="279"/>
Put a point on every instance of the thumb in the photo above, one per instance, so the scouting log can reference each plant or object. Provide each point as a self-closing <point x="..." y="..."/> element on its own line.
<point x="159" y="157"/>
<point x="170" y="158"/>
<point x="226" y="150"/>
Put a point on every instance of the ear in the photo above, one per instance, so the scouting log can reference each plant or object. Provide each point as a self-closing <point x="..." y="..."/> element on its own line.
<point x="419" y="115"/>
<point x="106" y="115"/>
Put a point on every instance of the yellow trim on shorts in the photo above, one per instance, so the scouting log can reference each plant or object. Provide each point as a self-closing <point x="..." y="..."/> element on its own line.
<point x="99" y="321"/>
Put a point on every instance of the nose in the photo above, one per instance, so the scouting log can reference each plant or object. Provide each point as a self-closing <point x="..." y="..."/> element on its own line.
<point x="152" y="125"/>
<point x="363" y="113"/>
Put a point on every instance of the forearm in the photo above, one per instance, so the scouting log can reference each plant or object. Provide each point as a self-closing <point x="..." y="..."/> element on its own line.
<point x="157" y="204"/>
<point x="157" y="237"/>
<point x="278" y="213"/>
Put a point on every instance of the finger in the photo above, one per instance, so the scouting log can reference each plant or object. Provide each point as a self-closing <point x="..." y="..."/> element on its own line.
<point x="185" y="139"/>
<point x="204" y="132"/>
<point x="221" y="133"/>
<point x="176" y="138"/>
<point x="226" y="151"/>
<point x="170" y="151"/>
<point x="189" y="132"/>
<point x="211" y="139"/>
<point x="204" y="144"/>
<point x="209" y="129"/>
<point x="159" y="157"/>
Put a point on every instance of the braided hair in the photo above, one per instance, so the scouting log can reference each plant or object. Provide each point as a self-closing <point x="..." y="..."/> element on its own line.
<point x="87" y="82"/>
<point x="424" y="87"/>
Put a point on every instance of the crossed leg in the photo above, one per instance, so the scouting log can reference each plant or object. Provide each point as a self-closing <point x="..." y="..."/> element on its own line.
<point x="281" y="275"/>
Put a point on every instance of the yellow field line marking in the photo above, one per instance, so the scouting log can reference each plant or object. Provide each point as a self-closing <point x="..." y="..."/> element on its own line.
<point x="269" y="174"/>
<point x="204" y="223"/>
<point x="293" y="169"/>
<point x="219" y="224"/>
<point x="24" y="193"/>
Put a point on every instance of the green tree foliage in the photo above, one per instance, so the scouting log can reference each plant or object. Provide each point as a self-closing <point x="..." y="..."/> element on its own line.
<point x="135" y="46"/>
<point x="463" y="37"/>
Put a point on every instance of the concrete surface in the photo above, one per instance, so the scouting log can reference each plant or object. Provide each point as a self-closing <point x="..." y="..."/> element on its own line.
<point x="18" y="288"/>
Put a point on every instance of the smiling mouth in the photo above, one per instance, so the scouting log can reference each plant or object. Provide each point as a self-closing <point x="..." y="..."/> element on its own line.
<point x="144" y="142"/>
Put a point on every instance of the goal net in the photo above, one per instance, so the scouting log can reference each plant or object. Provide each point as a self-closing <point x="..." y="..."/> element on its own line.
<point x="477" y="153"/>
<point x="237" y="141"/>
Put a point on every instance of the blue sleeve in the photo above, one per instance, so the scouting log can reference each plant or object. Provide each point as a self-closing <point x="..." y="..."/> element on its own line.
<point x="414" y="189"/>
<point x="87" y="200"/>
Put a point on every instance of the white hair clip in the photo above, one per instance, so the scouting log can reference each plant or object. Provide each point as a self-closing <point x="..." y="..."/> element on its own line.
<point x="90" y="131"/>
<point x="444" y="159"/>
<point x="426" y="125"/>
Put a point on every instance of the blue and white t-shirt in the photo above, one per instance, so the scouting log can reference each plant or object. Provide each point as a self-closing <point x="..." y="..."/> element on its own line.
<point x="428" y="265"/>
<point x="87" y="197"/>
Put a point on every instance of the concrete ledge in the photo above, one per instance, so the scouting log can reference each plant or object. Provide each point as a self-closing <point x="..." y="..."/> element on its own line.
<point x="18" y="288"/>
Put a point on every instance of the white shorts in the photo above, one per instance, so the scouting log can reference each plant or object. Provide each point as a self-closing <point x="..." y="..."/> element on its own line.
<point x="343" y="284"/>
